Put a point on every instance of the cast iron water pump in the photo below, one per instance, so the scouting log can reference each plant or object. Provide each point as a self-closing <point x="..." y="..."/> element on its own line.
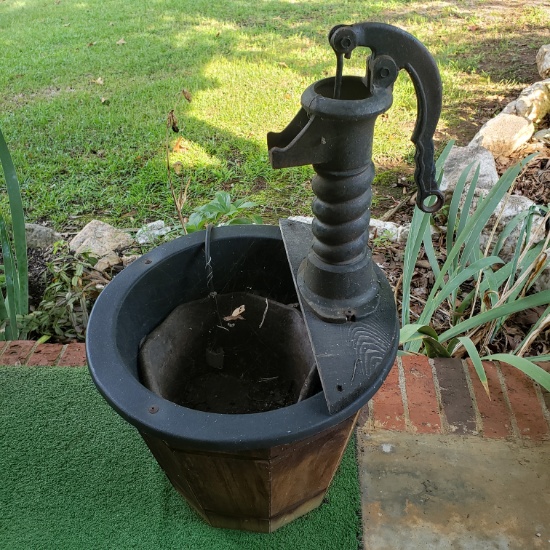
<point x="348" y="305"/>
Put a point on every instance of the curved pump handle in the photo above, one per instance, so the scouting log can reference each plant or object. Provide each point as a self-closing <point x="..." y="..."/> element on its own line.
<point x="392" y="50"/>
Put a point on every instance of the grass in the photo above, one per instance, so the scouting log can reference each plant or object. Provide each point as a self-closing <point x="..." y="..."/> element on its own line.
<point x="86" y="87"/>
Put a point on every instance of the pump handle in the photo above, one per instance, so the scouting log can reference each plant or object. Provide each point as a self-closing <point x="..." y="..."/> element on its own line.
<point x="394" y="49"/>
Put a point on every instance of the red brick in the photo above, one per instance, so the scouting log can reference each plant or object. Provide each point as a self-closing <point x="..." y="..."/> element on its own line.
<point x="495" y="414"/>
<point x="525" y="404"/>
<point x="421" y="396"/>
<point x="73" y="356"/>
<point x="16" y="352"/>
<point x="389" y="412"/>
<point x="45" y="355"/>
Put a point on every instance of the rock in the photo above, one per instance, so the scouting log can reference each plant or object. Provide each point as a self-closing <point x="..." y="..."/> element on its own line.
<point x="533" y="103"/>
<point x="151" y="232"/>
<point x="543" y="135"/>
<point x="543" y="61"/>
<point x="100" y="239"/>
<point x="39" y="236"/>
<point x="543" y="282"/>
<point x="108" y="261"/>
<point x="302" y="219"/>
<point x="459" y="158"/>
<point x="392" y="231"/>
<point x="504" y="134"/>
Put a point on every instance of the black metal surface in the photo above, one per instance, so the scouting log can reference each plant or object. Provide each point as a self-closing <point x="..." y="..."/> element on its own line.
<point x="333" y="131"/>
<point x="394" y="49"/>
<point x="351" y="356"/>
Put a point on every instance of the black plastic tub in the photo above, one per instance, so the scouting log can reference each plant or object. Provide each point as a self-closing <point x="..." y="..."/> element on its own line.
<point x="142" y="296"/>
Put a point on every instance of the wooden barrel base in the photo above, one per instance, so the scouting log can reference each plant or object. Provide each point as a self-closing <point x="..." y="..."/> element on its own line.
<point x="255" y="490"/>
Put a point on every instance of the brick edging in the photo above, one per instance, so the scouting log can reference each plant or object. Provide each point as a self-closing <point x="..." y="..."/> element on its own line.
<point x="445" y="396"/>
<point x="420" y="395"/>
<point x="31" y="354"/>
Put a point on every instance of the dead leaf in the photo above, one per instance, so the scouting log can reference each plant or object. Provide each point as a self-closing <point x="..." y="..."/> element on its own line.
<point x="236" y="314"/>
<point x="105" y="101"/>
<point x="121" y="42"/>
<point x="90" y="44"/>
<point x="282" y="64"/>
<point x="179" y="147"/>
<point x="98" y="81"/>
<point x="178" y="167"/>
<point x="187" y="95"/>
<point x="172" y="121"/>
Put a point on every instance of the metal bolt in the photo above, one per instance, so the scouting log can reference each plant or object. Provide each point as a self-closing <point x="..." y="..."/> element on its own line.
<point x="153" y="409"/>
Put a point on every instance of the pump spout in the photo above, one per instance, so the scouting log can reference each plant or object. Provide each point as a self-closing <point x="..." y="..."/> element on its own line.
<point x="300" y="143"/>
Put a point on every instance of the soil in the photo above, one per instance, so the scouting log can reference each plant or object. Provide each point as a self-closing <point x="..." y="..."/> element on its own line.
<point x="38" y="259"/>
<point x="241" y="354"/>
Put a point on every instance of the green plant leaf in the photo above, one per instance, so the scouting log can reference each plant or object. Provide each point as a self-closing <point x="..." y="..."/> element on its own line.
<point x="223" y="199"/>
<point x="240" y="221"/>
<point x="539" y="358"/>
<point x="469" y="236"/>
<point x="435" y="348"/>
<point x="451" y="346"/>
<point x="452" y="219"/>
<point x="243" y="203"/>
<point x="508" y="229"/>
<point x="539" y="299"/>
<point x="410" y="332"/>
<point x="454" y="284"/>
<point x="476" y="360"/>
<point x="419" y="223"/>
<point x="535" y="372"/>
<point x="429" y="331"/>
<point x="18" y="228"/>
<point x="11" y="301"/>
<point x="429" y="250"/>
<point x="440" y="162"/>
<point x="468" y="199"/>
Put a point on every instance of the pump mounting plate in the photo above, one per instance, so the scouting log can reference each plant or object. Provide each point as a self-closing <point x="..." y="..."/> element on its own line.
<point x="353" y="358"/>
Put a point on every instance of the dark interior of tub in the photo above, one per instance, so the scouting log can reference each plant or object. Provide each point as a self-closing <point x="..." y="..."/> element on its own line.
<point x="241" y="349"/>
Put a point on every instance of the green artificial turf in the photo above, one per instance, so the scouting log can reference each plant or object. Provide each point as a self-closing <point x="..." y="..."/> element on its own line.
<point x="75" y="475"/>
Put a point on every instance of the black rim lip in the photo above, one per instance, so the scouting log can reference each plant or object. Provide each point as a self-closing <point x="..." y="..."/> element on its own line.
<point x="345" y="109"/>
<point x="159" y="417"/>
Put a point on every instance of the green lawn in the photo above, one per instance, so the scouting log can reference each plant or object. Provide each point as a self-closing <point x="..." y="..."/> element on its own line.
<point x="86" y="87"/>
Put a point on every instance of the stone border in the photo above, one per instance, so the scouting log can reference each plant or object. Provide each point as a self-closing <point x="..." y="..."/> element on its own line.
<point x="420" y="395"/>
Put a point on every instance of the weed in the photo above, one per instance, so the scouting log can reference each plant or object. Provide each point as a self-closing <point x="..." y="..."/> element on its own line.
<point x="73" y="285"/>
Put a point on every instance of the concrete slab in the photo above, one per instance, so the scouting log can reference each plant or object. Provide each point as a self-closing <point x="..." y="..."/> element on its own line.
<point x="435" y="491"/>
